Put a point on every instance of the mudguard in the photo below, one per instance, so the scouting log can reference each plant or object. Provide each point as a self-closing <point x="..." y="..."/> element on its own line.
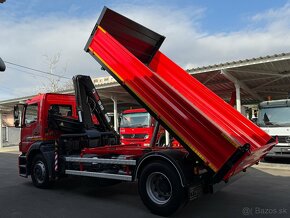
<point x="176" y="158"/>
<point x="47" y="150"/>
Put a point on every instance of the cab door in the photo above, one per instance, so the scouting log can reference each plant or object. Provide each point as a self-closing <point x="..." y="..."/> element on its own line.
<point x="30" y="132"/>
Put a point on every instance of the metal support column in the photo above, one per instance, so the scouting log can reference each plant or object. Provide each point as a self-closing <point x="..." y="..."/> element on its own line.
<point x="239" y="85"/>
<point x="167" y="138"/>
<point x="1" y="135"/>
<point x="238" y="97"/>
<point x="116" y="124"/>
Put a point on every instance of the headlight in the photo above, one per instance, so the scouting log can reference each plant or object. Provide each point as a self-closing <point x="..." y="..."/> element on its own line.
<point x="146" y="136"/>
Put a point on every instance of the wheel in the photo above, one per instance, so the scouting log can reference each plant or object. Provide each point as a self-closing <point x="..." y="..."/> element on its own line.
<point x="160" y="189"/>
<point x="39" y="172"/>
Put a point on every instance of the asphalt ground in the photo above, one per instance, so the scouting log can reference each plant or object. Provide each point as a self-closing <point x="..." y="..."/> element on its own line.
<point x="262" y="192"/>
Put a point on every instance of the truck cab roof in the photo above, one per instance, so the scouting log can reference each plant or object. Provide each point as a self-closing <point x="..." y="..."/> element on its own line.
<point x="51" y="97"/>
<point x="138" y="110"/>
<point x="275" y="103"/>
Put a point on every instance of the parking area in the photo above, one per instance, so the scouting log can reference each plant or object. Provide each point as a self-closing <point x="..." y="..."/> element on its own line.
<point x="262" y="192"/>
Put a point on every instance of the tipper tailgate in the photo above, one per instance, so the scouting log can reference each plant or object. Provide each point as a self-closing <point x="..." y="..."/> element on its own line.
<point x="204" y="124"/>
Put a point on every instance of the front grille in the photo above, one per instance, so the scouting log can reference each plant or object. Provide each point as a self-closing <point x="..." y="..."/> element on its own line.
<point x="284" y="139"/>
<point x="134" y="136"/>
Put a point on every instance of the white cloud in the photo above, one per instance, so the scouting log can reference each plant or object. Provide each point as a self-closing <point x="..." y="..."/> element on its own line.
<point x="28" y="41"/>
<point x="25" y="41"/>
<point x="274" y="15"/>
<point x="191" y="46"/>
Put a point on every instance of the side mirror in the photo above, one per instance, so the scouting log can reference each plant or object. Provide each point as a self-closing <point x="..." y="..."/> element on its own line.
<point x="2" y="65"/>
<point x="18" y="109"/>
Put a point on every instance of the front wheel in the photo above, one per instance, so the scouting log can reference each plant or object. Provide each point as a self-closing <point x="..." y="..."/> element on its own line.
<point x="160" y="189"/>
<point x="39" y="172"/>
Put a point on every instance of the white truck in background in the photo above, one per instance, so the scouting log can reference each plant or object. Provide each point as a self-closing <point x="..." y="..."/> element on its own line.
<point x="274" y="118"/>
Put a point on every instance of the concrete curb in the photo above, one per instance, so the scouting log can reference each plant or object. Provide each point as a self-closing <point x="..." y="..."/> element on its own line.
<point x="10" y="149"/>
<point x="277" y="166"/>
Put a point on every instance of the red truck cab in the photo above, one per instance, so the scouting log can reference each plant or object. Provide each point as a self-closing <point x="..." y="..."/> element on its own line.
<point x="137" y="126"/>
<point x="34" y="117"/>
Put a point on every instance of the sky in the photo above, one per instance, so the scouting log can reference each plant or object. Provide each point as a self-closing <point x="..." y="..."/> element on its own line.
<point x="49" y="36"/>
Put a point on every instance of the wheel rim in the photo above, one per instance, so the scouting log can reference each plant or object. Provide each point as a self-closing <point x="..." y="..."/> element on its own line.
<point x="39" y="172"/>
<point x="159" y="188"/>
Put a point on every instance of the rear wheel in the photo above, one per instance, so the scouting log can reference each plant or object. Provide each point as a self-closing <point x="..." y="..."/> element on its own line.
<point x="160" y="189"/>
<point x="39" y="172"/>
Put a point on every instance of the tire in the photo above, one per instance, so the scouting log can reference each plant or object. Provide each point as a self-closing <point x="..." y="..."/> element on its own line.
<point x="39" y="172"/>
<point x="160" y="189"/>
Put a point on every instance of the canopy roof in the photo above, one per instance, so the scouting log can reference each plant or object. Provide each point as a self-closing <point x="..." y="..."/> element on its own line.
<point x="258" y="78"/>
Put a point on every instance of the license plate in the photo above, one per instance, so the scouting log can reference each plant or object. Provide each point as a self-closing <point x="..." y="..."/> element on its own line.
<point x="285" y="149"/>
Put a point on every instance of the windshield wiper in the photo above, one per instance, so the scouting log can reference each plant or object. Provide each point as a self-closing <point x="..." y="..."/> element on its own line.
<point x="276" y="124"/>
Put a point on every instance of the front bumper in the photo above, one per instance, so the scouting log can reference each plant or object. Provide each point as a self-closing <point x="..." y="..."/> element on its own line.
<point x="279" y="151"/>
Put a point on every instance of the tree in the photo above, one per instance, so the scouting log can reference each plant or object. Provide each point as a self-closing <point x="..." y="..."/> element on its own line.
<point x="55" y="82"/>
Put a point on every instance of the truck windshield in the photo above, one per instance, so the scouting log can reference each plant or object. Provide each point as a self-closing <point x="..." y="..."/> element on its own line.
<point x="135" y="120"/>
<point x="279" y="116"/>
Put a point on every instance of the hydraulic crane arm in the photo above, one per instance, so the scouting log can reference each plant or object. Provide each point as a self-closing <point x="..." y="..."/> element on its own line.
<point x="89" y="104"/>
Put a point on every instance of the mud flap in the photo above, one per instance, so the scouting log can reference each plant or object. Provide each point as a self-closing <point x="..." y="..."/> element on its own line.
<point x="195" y="192"/>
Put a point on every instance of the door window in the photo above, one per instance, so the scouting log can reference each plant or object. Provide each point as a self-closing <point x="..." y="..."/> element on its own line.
<point x="31" y="114"/>
<point x="61" y="110"/>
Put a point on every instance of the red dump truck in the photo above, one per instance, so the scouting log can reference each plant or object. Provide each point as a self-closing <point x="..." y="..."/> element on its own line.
<point x="59" y="137"/>
<point x="137" y="127"/>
